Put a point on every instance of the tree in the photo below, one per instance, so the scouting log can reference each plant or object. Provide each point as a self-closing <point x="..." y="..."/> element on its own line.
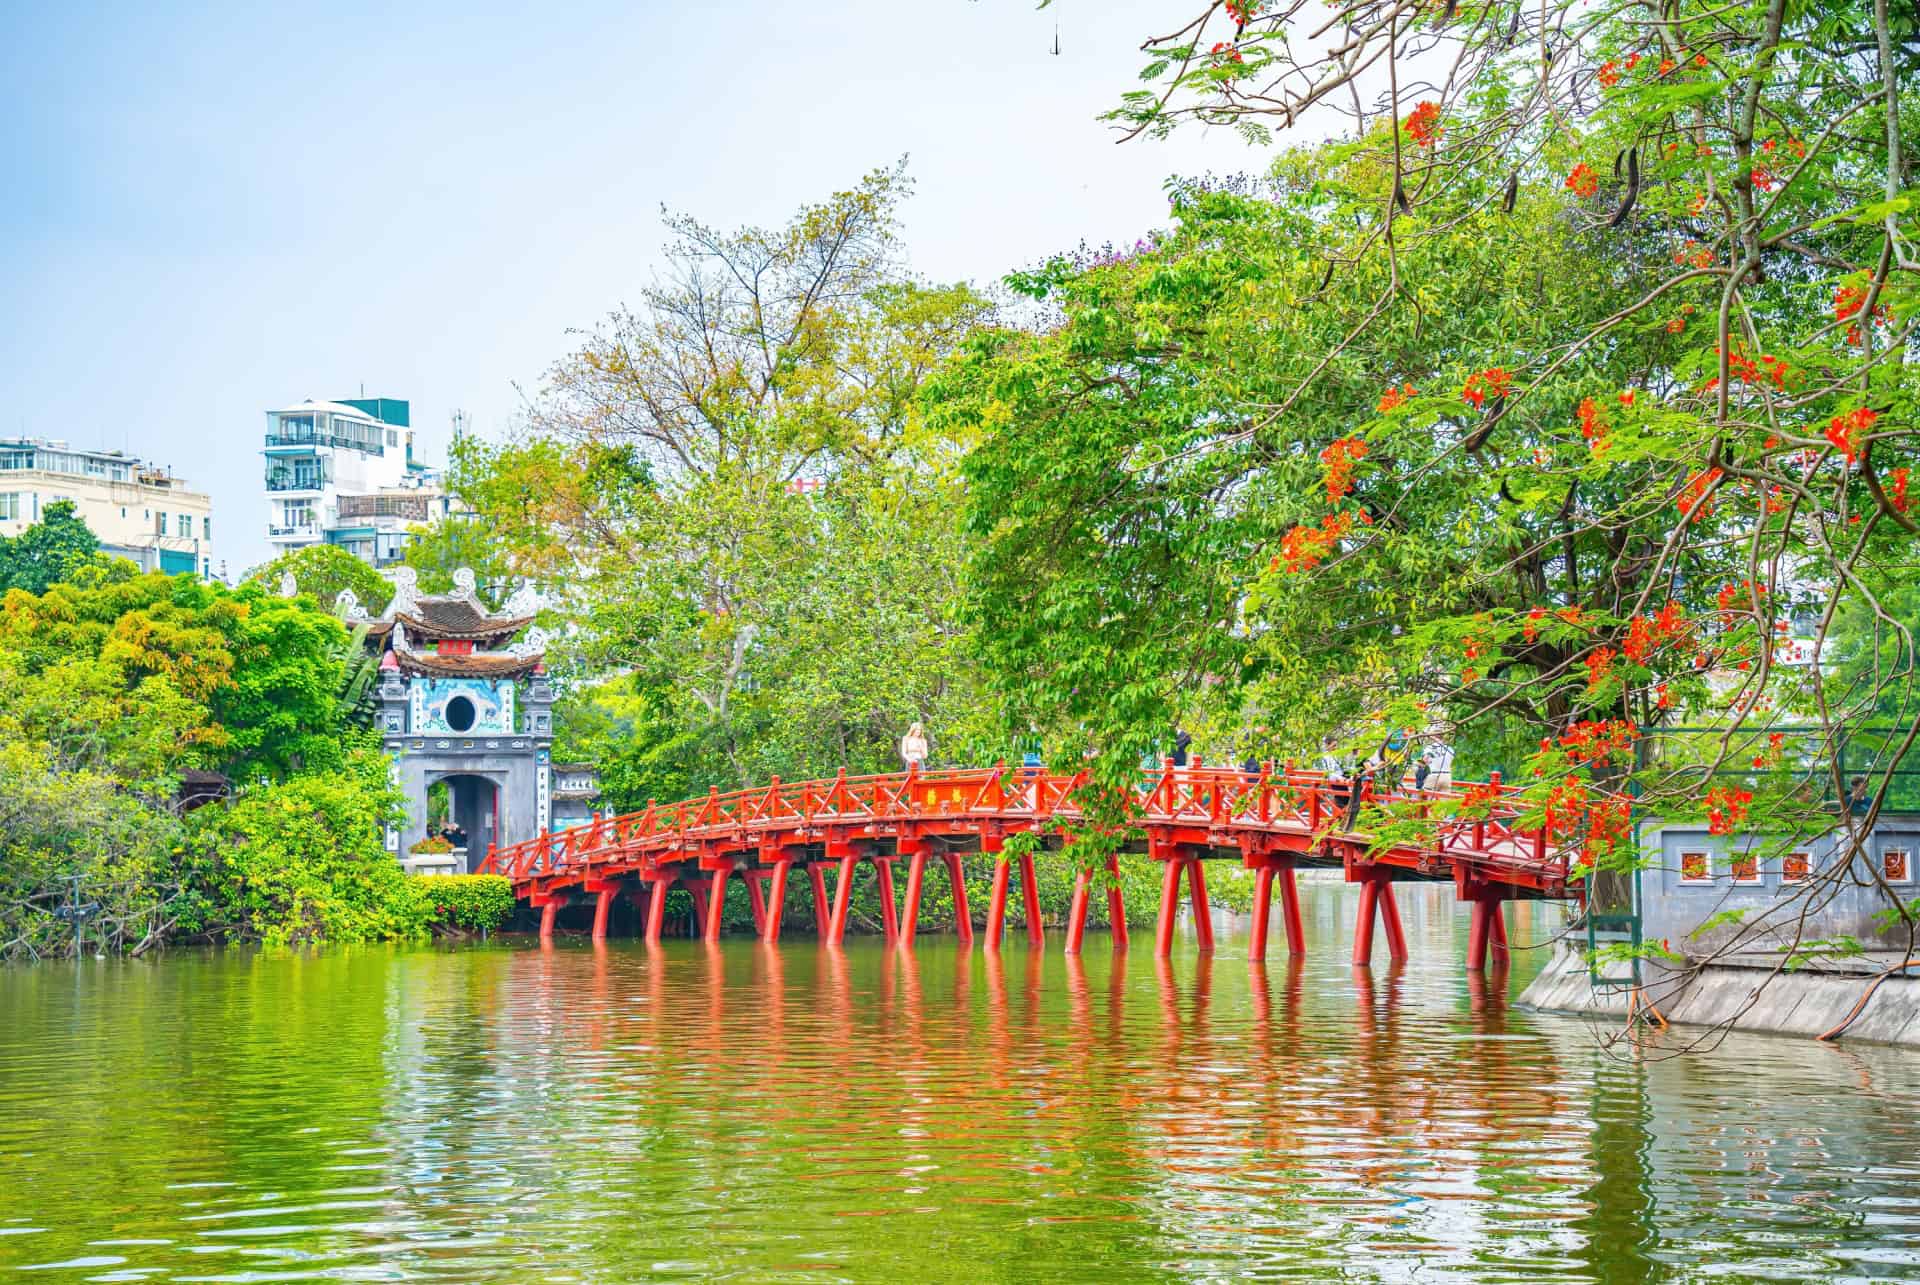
<point x="734" y="493"/>
<point x="1536" y="408"/>
<point x="324" y="570"/>
<point x="47" y="552"/>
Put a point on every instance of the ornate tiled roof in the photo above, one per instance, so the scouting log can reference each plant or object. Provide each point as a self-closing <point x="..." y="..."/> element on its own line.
<point x="458" y="617"/>
<point x="478" y="665"/>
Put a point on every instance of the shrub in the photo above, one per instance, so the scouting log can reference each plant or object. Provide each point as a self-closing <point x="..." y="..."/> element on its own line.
<point x="305" y="860"/>
<point x="472" y="902"/>
<point x="432" y="843"/>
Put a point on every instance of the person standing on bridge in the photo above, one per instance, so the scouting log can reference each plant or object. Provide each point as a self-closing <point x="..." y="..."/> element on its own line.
<point x="913" y="747"/>
<point x="1181" y="739"/>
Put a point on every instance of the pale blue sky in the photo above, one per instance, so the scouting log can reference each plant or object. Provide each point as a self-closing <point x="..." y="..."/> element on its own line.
<point x="214" y="210"/>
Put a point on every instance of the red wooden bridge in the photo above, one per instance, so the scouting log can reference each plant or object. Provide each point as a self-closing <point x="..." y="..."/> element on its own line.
<point x="1272" y="821"/>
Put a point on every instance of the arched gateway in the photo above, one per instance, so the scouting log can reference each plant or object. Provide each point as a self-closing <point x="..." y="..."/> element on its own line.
<point x="462" y="702"/>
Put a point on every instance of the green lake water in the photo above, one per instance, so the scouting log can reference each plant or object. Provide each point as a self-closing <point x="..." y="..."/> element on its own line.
<point x="511" y="1114"/>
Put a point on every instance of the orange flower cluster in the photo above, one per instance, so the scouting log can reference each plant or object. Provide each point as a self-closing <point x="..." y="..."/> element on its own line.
<point x="1423" y="125"/>
<point x="1841" y="432"/>
<point x="1695" y="491"/>
<point x="1897" y="493"/>
<point x="1648" y="634"/>
<point x="1242" y="11"/>
<point x="1609" y="73"/>
<point x="1593" y="424"/>
<point x="1763" y="179"/>
<point x="1693" y="254"/>
<point x="1598" y="741"/>
<point x="1768" y="370"/>
<point x="1726" y="808"/>
<point x="1492" y="382"/>
<point x="1596" y="821"/>
<point x="1732" y="594"/>
<point x="1477" y="800"/>
<point x="1305" y="547"/>
<point x="1600" y="666"/>
<point x="1394" y="398"/>
<point x="1583" y="182"/>
<point x="1227" y="52"/>
<point x="1339" y="460"/>
<point x="1531" y="629"/>
<point x="1848" y="302"/>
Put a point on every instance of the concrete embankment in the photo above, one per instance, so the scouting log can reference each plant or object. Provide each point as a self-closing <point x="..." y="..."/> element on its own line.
<point x="1746" y="992"/>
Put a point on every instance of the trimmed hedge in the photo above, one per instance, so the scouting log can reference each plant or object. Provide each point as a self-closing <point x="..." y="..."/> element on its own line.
<point x="469" y="902"/>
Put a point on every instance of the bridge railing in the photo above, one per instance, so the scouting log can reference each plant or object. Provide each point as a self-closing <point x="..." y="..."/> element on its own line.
<point x="1480" y="820"/>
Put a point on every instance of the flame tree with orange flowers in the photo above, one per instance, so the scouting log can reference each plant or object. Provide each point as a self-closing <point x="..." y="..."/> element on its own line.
<point x="1540" y="410"/>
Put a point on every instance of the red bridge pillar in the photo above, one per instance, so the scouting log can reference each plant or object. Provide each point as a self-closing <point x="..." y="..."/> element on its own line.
<point x="776" y="901"/>
<point x="1271" y="871"/>
<point x="658" y="885"/>
<point x="1376" y="895"/>
<point x="549" y="911"/>
<point x="1488" y="928"/>
<point x="1180" y="862"/>
<point x="603" y="906"/>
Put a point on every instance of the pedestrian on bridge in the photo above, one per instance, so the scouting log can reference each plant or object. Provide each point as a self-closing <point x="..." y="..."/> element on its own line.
<point x="1181" y="739"/>
<point x="913" y="747"/>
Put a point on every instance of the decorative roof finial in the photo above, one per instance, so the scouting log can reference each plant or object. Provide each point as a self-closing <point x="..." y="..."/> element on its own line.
<point x="406" y="591"/>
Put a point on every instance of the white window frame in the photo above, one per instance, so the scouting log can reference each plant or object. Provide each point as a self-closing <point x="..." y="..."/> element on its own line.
<point x="1759" y="872"/>
<point x="1788" y="879"/>
<point x="1906" y="852"/>
<point x="1705" y="880"/>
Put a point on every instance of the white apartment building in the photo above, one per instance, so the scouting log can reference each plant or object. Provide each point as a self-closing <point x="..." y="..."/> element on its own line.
<point x="138" y="510"/>
<point x="343" y="472"/>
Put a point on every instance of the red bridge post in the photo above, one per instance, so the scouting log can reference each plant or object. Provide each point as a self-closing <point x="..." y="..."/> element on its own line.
<point x="1376" y="895"/>
<point x="1030" y="890"/>
<point x="1116" y="904"/>
<point x="548" y="913"/>
<point x="817" y="877"/>
<point x="602" y="907"/>
<point x="1488" y="927"/>
<point x="962" y="915"/>
<point x="659" y="885"/>
<point x="997" y="900"/>
<point x="776" y="900"/>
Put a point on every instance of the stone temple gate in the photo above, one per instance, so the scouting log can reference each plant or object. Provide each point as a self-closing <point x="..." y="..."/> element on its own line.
<point x="462" y="702"/>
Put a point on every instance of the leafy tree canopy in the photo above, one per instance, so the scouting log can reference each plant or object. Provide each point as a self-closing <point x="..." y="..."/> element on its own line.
<point x="47" y="552"/>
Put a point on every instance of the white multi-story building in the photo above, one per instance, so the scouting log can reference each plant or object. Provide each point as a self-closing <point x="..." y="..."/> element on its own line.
<point x="343" y="473"/>
<point x="136" y="509"/>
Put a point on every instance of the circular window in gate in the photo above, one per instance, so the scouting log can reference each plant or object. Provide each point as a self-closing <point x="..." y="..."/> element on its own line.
<point x="460" y="714"/>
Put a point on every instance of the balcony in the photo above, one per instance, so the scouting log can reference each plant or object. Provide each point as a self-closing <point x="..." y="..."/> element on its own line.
<point x="297" y="480"/>
<point x="293" y="533"/>
<point x="409" y="508"/>
<point x="304" y="441"/>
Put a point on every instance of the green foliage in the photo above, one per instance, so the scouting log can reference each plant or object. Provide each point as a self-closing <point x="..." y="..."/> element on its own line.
<point x="49" y="551"/>
<point x="305" y="860"/>
<point x="323" y="571"/>
<point x="439" y="550"/>
<point x="475" y="903"/>
<point x="63" y="821"/>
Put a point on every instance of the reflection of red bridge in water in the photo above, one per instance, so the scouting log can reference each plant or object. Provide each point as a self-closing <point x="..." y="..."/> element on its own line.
<point x="1272" y="821"/>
